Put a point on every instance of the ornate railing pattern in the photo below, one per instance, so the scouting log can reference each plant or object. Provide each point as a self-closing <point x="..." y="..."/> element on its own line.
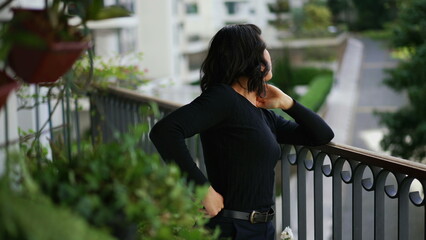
<point x="353" y="173"/>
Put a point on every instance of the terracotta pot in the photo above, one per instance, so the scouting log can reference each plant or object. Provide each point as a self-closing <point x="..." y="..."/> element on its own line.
<point x="46" y="63"/>
<point x="37" y="66"/>
<point x="7" y="85"/>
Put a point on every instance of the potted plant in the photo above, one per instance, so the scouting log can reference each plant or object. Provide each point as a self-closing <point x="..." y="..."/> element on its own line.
<point x="44" y="45"/>
<point x="118" y="187"/>
<point x="25" y="213"/>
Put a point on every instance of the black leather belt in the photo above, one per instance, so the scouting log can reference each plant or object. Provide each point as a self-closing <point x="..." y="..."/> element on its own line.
<point x="253" y="217"/>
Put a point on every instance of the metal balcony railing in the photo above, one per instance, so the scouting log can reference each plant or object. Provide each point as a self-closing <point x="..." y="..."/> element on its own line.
<point x="352" y="174"/>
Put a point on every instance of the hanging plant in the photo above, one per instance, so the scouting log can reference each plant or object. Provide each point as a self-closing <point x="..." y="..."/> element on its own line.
<point x="45" y="55"/>
<point x="44" y="44"/>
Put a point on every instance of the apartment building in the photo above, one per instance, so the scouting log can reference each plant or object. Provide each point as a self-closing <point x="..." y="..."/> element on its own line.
<point x="174" y="34"/>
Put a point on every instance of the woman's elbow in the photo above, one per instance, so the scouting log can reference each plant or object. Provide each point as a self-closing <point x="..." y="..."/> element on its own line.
<point x="155" y="134"/>
<point x="326" y="137"/>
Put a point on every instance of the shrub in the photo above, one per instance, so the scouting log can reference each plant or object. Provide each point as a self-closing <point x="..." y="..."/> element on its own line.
<point x="117" y="186"/>
<point x="283" y="74"/>
<point x="317" y="93"/>
<point x="26" y="214"/>
<point x="317" y="17"/>
<point x="304" y="75"/>
<point x="286" y="76"/>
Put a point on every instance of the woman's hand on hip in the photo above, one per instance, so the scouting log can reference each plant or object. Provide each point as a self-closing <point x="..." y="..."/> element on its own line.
<point x="213" y="202"/>
<point x="275" y="98"/>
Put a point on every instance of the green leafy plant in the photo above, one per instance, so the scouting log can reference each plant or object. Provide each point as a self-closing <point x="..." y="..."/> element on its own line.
<point x="25" y="213"/>
<point x="318" y="91"/>
<point x="279" y="6"/>
<point x="316" y="20"/>
<point x="305" y="75"/>
<point x="110" y="71"/>
<point x="41" y="45"/>
<point x="286" y="76"/>
<point x="117" y="186"/>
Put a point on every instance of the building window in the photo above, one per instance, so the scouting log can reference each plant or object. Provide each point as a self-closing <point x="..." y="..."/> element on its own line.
<point x="231" y="7"/>
<point x="192" y="8"/>
<point x="194" y="38"/>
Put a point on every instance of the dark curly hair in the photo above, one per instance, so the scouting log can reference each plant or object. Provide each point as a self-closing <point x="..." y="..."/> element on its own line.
<point x="236" y="51"/>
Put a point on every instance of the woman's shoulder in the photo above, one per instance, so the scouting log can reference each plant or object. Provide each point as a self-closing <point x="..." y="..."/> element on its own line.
<point x="219" y="88"/>
<point x="220" y="92"/>
<point x="218" y="96"/>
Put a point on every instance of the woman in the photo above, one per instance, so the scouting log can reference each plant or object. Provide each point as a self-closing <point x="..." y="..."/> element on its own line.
<point x="241" y="138"/>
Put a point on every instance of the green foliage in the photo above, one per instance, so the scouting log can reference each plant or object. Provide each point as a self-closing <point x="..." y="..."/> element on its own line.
<point x="287" y="77"/>
<point x="402" y="53"/>
<point x="373" y="14"/>
<point x="53" y="25"/>
<point x="297" y="18"/>
<point x="319" y="83"/>
<point x="118" y="187"/>
<point x="411" y="74"/>
<point x="320" y="54"/>
<point x="282" y="74"/>
<point x="311" y="21"/>
<point x="407" y="126"/>
<point x="279" y="6"/>
<point x="381" y="35"/>
<point x="410" y="29"/>
<point x="305" y="75"/>
<point x="27" y="214"/>
<point x="317" y="17"/>
<point x="407" y="133"/>
<point x="112" y="12"/>
<point x="110" y="72"/>
<point x="337" y="7"/>
<point x="280" y="24"/>
<point x="318" y="91"/>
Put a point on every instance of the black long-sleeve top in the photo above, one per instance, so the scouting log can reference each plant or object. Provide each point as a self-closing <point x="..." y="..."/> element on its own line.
<point x="241" y="143"/>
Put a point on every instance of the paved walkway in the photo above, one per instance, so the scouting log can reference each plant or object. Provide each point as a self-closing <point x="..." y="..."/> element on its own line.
<point x="342" y="99"/>
<point x="373" y="96"/>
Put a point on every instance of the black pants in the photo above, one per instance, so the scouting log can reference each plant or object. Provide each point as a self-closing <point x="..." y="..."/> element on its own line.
<point x="236" y="229"/>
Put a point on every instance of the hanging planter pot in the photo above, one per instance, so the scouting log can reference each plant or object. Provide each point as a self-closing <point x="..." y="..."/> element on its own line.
<point x="7" y="85"/>
<point x="42" y="52"/>
<point x="44" y="65"/>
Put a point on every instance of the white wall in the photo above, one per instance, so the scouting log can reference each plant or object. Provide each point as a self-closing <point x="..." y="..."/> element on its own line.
<point x="156" y="37"/>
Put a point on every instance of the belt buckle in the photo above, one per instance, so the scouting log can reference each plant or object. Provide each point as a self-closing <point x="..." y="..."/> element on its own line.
<point x="252" y="216"/>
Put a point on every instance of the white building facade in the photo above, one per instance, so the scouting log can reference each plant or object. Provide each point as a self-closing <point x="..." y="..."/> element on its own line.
<point x="174" y="34"/>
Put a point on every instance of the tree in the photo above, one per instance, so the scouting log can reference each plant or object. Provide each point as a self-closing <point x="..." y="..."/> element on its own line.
<point x="317" y="17"/>
<point x="280" y="8"/>
<point x="337" y="8"/>
<point x="373" y="14"/>
<point x="407" y="126"/>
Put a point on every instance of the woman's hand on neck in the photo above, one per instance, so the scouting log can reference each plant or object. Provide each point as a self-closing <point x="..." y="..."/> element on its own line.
<point x="275" y="98"/>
